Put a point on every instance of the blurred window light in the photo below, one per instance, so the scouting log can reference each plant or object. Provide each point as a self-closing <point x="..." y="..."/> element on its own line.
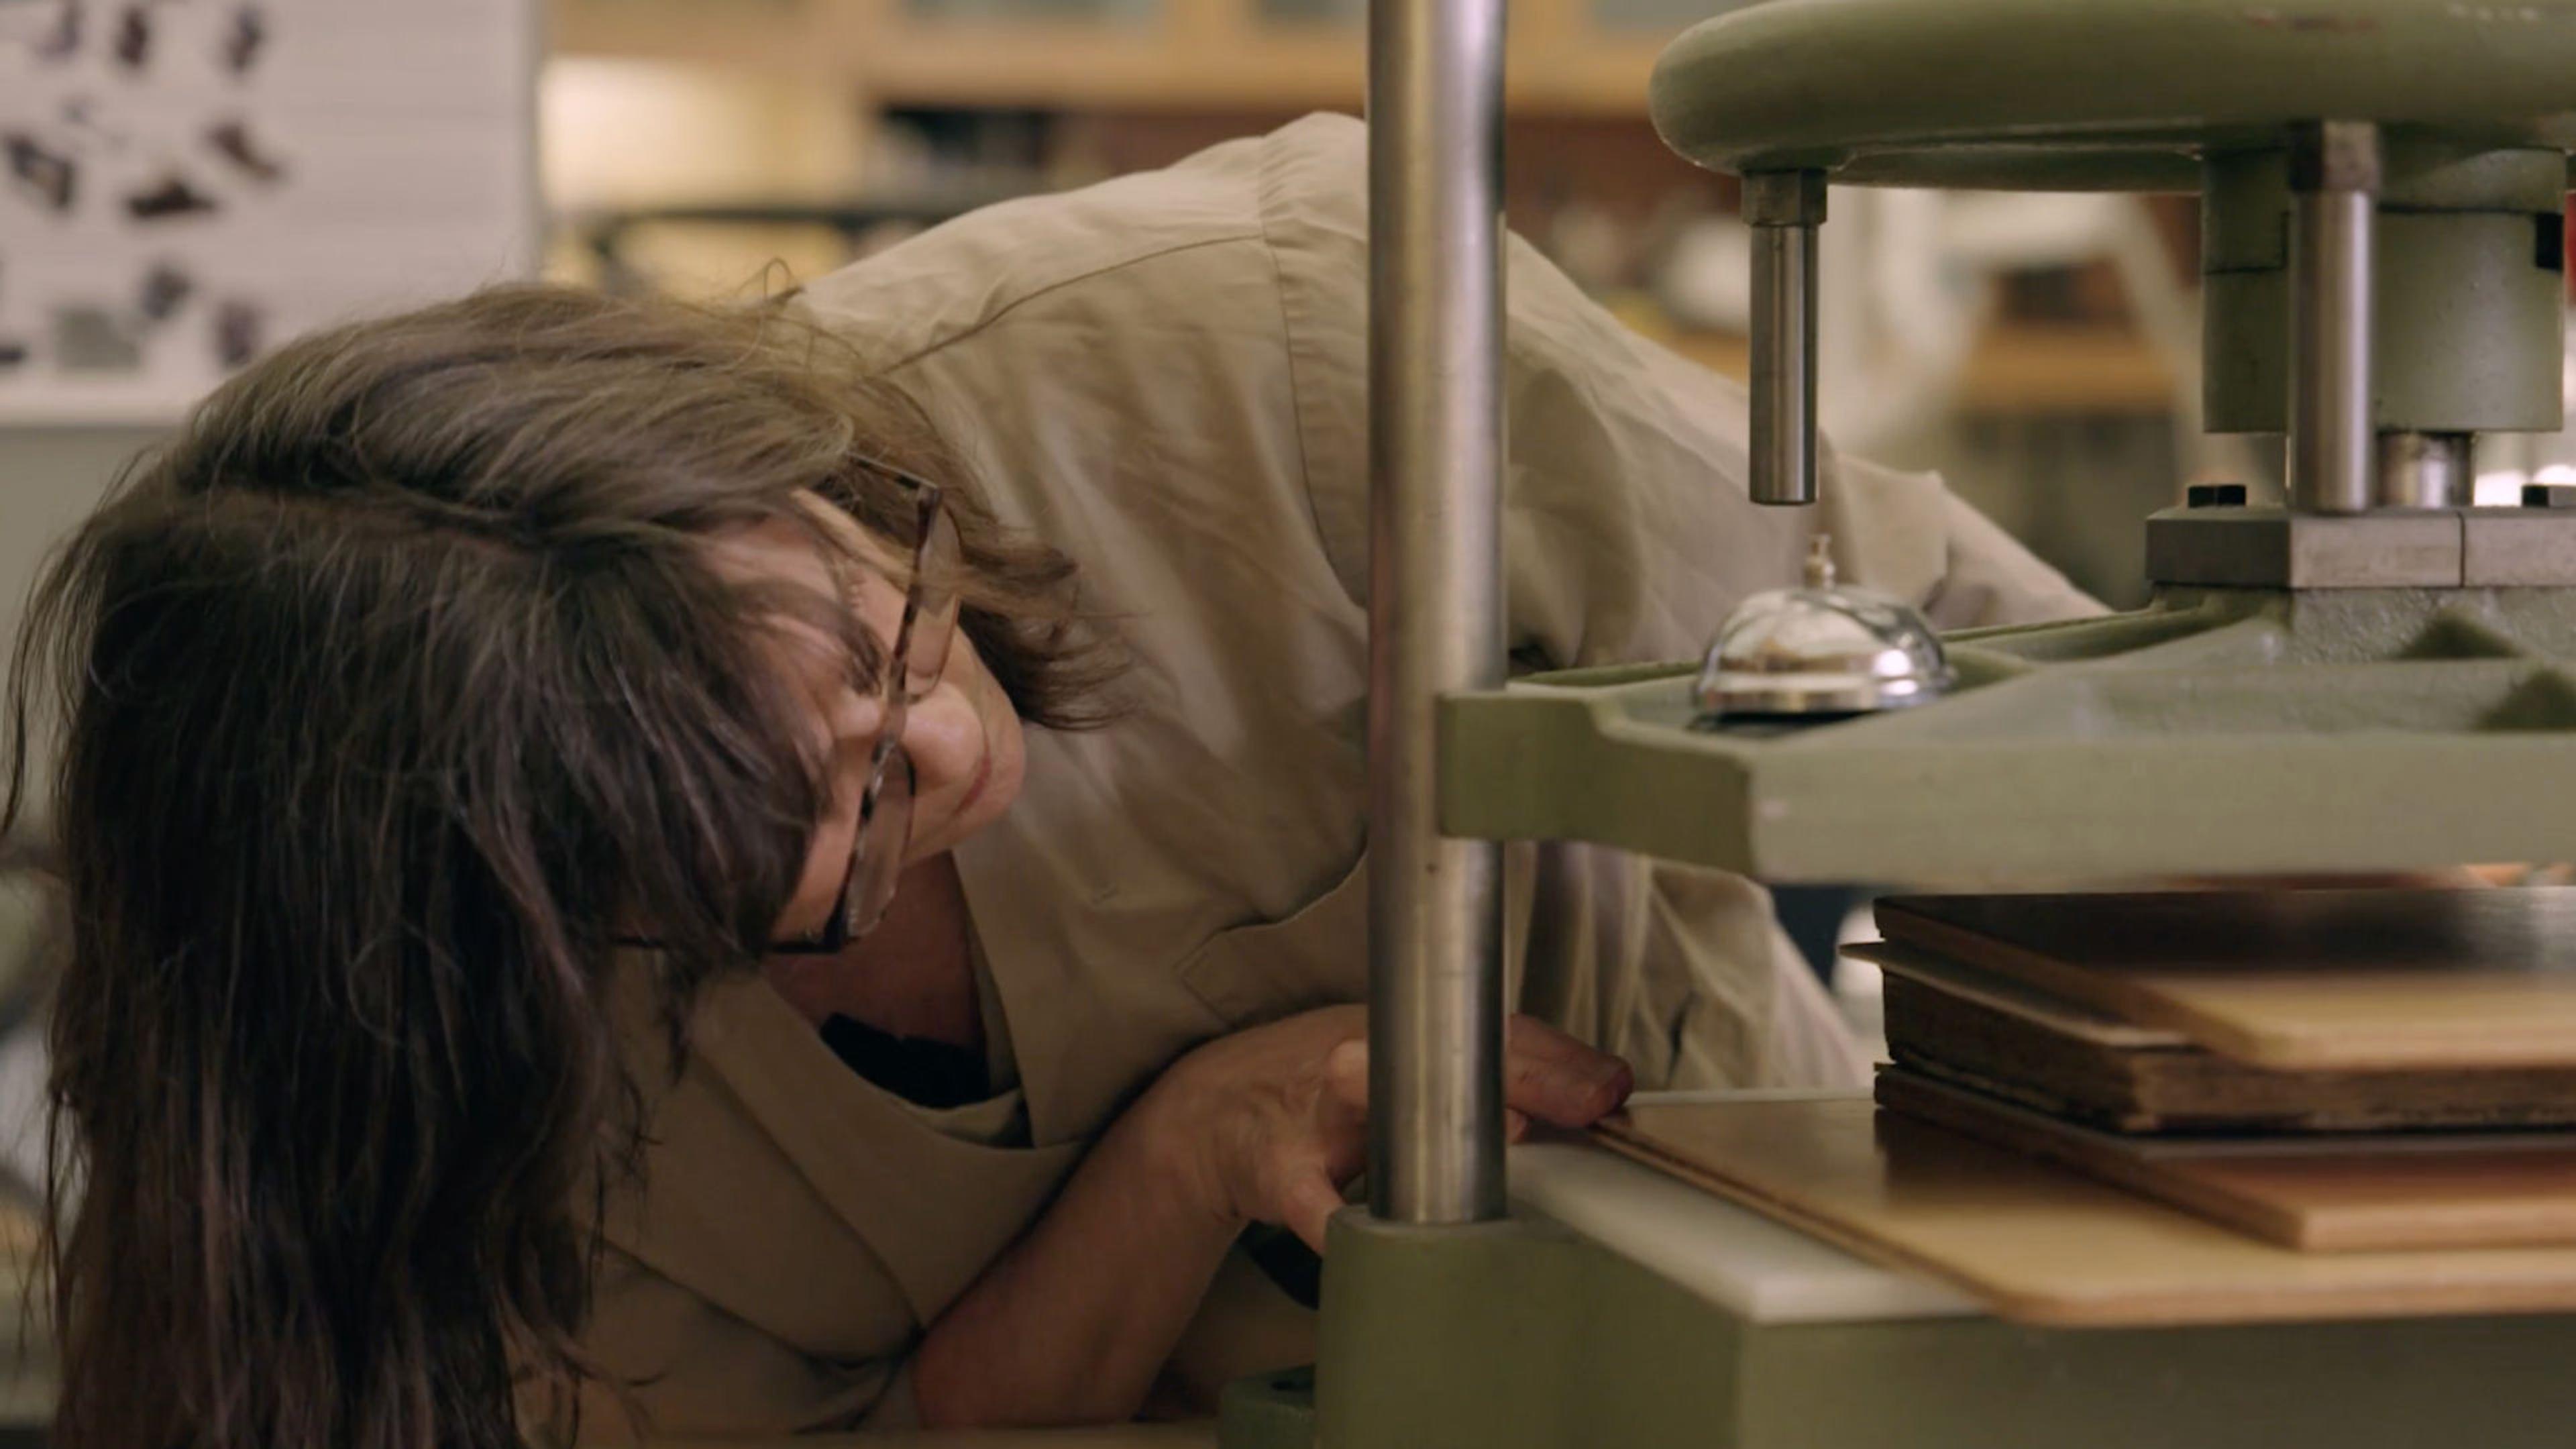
<point x="618" y="132"/>
<point x="2501" y="488"/>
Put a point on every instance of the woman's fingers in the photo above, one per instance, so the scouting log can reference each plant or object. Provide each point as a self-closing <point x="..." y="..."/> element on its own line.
<point x="1346" y="1074"/>
<point x="1307" y="1202"/>
<point x="1557" y="1079"/>
<point x="1548" y="1075"/>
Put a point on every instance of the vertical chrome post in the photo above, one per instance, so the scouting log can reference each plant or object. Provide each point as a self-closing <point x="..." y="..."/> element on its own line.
<point x="1435" y="600"/>
<point x="1784" y="208"/>
<point x="2334" y="182"/>
<point x="2426" y="470"/>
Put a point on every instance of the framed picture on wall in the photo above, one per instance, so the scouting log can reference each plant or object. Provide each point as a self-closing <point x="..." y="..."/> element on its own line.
<point x="185" y="183"/>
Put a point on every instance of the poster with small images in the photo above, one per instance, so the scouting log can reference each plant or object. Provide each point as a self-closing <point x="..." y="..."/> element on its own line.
<point x="186" y="183"/>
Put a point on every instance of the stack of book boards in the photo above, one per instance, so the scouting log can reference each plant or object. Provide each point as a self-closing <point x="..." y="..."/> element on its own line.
<point x="2332" y="1071"/>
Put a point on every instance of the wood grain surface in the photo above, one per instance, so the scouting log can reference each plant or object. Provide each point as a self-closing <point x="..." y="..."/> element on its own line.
<point x="2039" y="1243"/>
<point x="2317" y="1194"/>
<point x="2011" y="1040"/>
<point x="2294" y="980"/>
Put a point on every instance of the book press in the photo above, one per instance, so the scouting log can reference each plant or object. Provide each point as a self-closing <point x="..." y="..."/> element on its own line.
<point x="2219" y="1165"/>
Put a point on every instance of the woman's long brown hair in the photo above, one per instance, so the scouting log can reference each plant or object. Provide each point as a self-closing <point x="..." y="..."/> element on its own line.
<point x="384" y="701"/>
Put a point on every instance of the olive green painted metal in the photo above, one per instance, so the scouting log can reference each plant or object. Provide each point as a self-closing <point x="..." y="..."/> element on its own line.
<point x="1962" y="92"/>
<point x="1521" y="1335"/>
<point x="2470" y="329"/>
<point x="1268" y="1411"/>
<point x="1507" y="1334"/>
<point x="2424" y="173"/>
<point x="1984" y="1384"/>
<point x="2218" y="731"/>
<point x="2470" y="314"/>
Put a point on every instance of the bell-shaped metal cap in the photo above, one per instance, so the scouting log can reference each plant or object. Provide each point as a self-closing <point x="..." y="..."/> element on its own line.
<point x="1826" y="649"/>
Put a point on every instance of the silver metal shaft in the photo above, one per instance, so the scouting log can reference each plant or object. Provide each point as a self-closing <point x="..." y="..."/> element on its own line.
<point x="2426" y="470"/>
<point x="2333" y="445"/>
<point x="1784" y="209"/>
<point x="1435" y="600"/>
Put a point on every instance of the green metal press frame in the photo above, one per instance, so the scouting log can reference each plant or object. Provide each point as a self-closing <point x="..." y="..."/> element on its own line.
<point x="2376" y="676"/>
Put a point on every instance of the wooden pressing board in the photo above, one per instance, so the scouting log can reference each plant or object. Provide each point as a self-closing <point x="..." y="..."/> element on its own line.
<point x="2011" y="1040"/>
<point x="2318" y="1194"/>
<point x="2352" y="980"/>
<point x="2016" y="998"/>
<point x="2041" y="1244"/>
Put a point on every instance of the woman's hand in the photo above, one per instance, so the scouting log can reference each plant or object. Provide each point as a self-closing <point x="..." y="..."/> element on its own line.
<point x="1071" y="1325"/>
<point x="1271" y="1124"/>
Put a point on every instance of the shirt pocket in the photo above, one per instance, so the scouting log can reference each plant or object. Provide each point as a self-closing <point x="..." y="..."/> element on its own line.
<point x="1317" y="956"/>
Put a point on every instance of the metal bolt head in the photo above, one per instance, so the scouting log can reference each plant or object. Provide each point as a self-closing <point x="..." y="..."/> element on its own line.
<point x="1784" y="198"/>
<point x="2335" y="156"/>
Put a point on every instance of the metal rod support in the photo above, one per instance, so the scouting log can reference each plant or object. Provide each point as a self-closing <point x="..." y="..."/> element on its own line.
<point x="1435" y="600"/>
<point x="1784" y="209"/>
<point x="2334" y="180"/>
<point x="2426" y="470"/>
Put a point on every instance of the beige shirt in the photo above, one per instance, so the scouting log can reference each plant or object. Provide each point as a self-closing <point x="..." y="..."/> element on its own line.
<point x="1165" y="376"/>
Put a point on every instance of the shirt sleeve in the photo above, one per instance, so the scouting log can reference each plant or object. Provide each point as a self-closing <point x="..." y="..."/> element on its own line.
<point x="1989" y="578"/>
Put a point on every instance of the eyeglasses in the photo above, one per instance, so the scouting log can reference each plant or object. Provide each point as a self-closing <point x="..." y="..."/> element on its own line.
<point x="913" y="669"/>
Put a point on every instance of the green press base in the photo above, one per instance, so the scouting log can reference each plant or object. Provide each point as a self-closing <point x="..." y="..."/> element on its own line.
<point x="1521" y="1335"/>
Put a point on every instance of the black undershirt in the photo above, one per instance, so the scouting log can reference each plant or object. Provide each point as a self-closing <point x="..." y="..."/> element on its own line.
<point x="923" y="1072"/>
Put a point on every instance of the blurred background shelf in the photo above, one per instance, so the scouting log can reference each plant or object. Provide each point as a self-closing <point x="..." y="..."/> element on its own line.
<point x="2012" y="369"/>
<point x="719" y="147"/>
<point x="1566" y="58"/>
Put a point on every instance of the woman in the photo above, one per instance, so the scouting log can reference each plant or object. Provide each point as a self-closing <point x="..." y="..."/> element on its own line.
<point x="570" y="906"/>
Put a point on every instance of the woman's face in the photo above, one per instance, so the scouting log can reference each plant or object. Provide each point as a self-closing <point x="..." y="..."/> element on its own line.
<point x="967" y="753"/>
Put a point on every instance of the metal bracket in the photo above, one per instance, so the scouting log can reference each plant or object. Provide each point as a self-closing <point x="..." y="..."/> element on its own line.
<point x="1784" y="198"/>
<point x="2441" y="548"/>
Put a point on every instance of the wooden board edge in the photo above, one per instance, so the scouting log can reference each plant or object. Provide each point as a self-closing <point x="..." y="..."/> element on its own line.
<point x="1994" y="990"/>
<point x="2034" y="1312"/>
<point x="2101" y="991"/>
<point x="2015" y="1128"/>
<point x="2118" y="996"/>
<point x="2525" y="1228"/>
<point x="2358" y="1050"/>
<point x="2202" y="1308"/>
<point x="2352" y="1050"/>
<point x="1943" y="1106"/>
<point x="1620" y="1135"/>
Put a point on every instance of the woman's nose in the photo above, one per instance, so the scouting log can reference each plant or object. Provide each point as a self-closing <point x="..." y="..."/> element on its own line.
<point x="944" y="736"/>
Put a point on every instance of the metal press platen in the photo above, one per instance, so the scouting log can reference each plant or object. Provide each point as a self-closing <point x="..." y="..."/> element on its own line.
<point x="2381" y="183"/>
